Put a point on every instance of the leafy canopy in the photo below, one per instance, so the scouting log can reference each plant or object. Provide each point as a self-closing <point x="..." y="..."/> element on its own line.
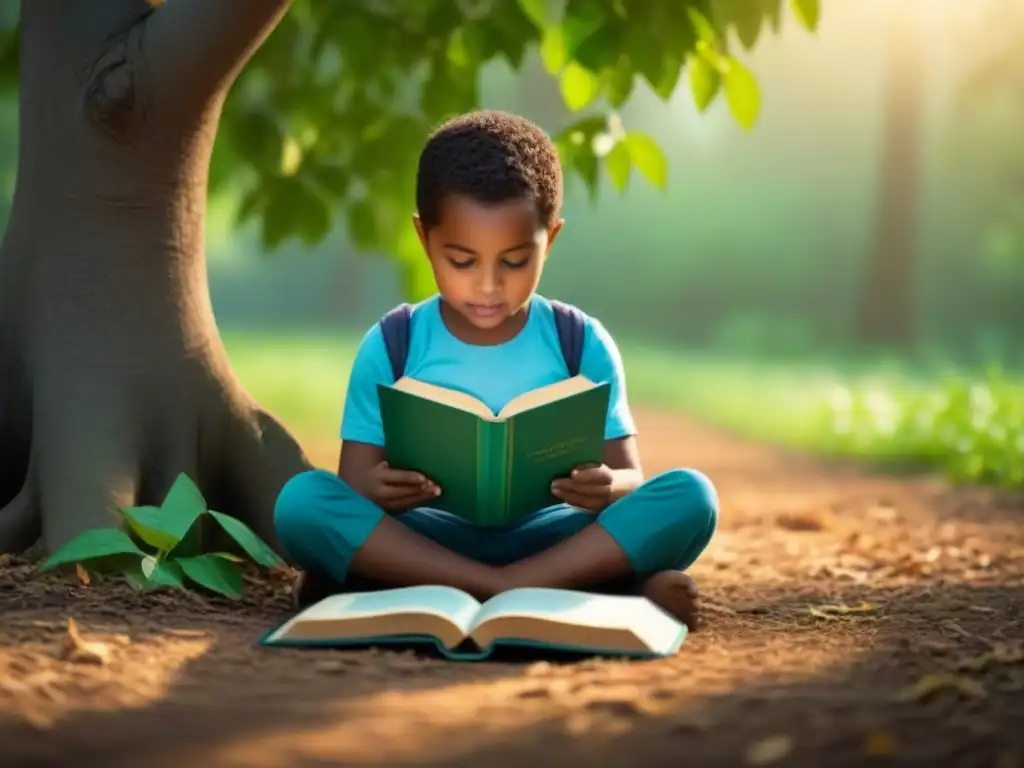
<point x="329" y="116"/>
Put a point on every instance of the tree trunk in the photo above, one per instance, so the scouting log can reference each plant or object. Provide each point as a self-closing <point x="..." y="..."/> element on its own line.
<point x="113" y="376"/>
<point x="886" y="308"/>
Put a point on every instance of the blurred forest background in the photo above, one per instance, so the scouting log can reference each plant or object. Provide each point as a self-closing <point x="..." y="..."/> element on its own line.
<point x="844" y="277"/>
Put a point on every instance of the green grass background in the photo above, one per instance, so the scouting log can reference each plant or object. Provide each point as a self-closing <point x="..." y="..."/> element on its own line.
<point x="967" y="424"/>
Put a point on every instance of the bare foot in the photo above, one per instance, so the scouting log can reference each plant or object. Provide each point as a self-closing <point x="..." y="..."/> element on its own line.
<point x="676" y="594"/>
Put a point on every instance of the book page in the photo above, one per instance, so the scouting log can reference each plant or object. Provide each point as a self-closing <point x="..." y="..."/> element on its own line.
<point x="577" y="618"/>
<point x="449" y="397"/>
<point x="423" y="609"/>
<point x="546" y="394"/>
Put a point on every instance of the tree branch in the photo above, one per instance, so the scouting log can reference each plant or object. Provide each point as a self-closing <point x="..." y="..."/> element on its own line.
<point x="196" y="48"/>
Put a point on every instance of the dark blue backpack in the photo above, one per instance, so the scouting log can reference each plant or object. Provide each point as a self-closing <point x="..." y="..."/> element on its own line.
<point x="568" y="322"/>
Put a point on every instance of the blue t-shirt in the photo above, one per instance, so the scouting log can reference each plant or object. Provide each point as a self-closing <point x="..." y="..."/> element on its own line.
<point x="494" y="374"/>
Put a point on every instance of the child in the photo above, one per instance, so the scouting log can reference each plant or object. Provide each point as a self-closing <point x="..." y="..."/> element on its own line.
<point x="489" y="193"/>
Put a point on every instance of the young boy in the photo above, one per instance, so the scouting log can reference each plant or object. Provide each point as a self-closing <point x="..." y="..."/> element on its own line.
<point x="489" y="194"/>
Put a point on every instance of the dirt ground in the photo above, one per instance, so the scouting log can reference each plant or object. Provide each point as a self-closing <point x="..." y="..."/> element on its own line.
<point x="850" y="619"/>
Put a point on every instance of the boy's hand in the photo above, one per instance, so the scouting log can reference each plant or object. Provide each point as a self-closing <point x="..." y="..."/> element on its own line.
<point x="396" y="490"/>
<point x="587" y="487"/>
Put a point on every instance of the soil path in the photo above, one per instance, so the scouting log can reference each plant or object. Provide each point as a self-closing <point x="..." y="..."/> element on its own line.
<point x="924" y="664"/>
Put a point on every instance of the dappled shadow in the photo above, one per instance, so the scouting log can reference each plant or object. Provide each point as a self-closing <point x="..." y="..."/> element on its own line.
<point x="758" y="669"/>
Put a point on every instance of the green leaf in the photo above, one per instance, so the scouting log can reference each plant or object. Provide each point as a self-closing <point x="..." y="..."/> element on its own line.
<point x="277" y="217"/>
<point x="705" y="80"/>
<point x="601" y="48"/>
<point x="165" y="526"/>
<point x="618" y="82"/>
<point x="258" y="137"/>
<point x="579" y="86"/>
<point x="247" y="540"/>
<point x="151" y="525"/>
<point x="213" y="572"/>
<point x="151" y="574"/>
<point x="772" y="10"/>
<point x="618" y="165"/>
<point x="582" y="20"/>
<point x="648" y="158"/>
<point x="747" y="18"/>
<point x="94" y="544"/>
<point x="312" y="211"/>
<point x="332" y="177"/>
<point x="808" y="12"/>
<point x="742" y="94"/>
<point x="537" y="11"/>
<point x="575" y="145"/>
<point x="552" y="50"/>
<point x="701" y="25"/>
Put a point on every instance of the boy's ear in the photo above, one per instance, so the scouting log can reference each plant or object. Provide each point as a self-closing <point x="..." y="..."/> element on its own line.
<point x="420" y="231"/>
<point x="553" y="231"/>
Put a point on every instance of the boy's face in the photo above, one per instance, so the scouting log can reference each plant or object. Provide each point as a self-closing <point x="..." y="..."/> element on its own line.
<point x="487" y="259"/>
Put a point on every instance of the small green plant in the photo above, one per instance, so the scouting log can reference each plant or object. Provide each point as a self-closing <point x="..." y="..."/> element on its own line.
<point x="159" y="550"/>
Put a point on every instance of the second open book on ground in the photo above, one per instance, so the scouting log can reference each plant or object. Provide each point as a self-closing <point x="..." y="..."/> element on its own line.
<point x="460" y="626"/>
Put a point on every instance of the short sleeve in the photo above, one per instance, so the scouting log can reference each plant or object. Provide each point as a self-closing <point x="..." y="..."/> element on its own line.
<point x="360" y="421"/>
<point x="602" y="362"/>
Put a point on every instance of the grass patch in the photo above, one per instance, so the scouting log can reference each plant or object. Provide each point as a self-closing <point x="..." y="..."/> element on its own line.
<point x="966" y="424"/>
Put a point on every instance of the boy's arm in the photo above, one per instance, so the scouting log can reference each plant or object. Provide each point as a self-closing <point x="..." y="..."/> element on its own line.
<point x="622" y="472"/>
<point x="362" y="434"/>
<point x="602" y="361"/>
<point x="622" y="456"/>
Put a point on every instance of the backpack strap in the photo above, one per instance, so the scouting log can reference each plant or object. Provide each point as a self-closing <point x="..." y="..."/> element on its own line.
<point x="571" y="328"/>
<point x="395" y="328"/>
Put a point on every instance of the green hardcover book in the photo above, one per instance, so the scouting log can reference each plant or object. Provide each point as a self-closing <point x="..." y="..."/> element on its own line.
<point x="493" y="468"/>
<point x="463" y="629"/>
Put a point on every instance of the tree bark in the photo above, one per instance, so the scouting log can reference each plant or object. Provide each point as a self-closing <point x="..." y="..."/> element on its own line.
<point x="886" y="314"/>
<point x="114" y="376"/>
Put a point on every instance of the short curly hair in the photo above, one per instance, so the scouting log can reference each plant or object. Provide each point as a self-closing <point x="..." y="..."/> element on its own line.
<point x="491" y="157"/>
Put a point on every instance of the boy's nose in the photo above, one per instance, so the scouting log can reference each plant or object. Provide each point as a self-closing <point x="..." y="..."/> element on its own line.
<point x="490" y="282"/>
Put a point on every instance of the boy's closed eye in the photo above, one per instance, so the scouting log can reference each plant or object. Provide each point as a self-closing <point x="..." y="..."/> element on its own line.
<point x="509" y="263"/>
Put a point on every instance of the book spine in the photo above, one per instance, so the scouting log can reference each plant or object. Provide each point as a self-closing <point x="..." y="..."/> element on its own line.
<point x="492" y="461"/>
<point x="506" y="475"/>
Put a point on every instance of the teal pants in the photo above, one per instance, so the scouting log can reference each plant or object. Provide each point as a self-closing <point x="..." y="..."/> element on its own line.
<point x="663" y="525"/>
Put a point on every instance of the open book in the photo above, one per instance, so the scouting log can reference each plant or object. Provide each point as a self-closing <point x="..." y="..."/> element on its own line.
<point x="462" y="628"/>
<point x="493" y="468"/>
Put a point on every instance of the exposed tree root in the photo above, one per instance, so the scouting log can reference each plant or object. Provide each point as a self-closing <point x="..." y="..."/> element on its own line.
<point x="110" y="447"/>
<point x="259" y="458"/>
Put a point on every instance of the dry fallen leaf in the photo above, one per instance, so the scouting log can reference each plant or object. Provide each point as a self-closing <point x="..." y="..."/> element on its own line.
<point x="933" y="683"/>
<point x="882" y="514"/>
<point x="82" y="651"/>
<point x="83" y="575"/>
<point x="800" y="521"/>
<point x="831" y="611"/>
<point x="770" y="750"/>
<point x="724" y="610"/>
<point x="952" y="625"/>
<point x="974" y="663"/>
<point x="1008" y="652"/>
<point x="879" y="743"/>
